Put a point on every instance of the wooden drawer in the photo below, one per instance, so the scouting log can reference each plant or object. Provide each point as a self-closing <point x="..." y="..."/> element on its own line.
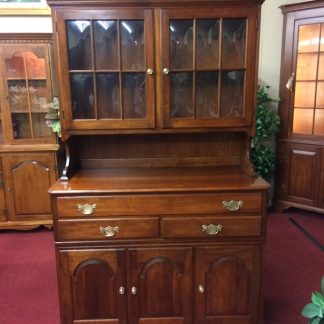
<point x="192" y="227"/>
<point x="95" y="229"/>
<point x="125" y="205"/>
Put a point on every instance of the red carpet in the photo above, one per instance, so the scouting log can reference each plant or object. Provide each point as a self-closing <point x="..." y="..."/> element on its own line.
<point x="294" y="266"/>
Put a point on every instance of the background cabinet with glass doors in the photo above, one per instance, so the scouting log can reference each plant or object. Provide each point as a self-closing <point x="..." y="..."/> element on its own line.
<point x="28" y="147"/>
<point x="301" y="142"/>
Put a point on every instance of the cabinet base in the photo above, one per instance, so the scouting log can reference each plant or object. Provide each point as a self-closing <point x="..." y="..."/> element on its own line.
<point x="25" y="226"/>
<point x="282" y="205"/>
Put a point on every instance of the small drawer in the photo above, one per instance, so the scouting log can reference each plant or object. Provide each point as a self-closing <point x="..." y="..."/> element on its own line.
<point x="108" y="229"/>
<point x="160" y="204"/>
<point x="213" y="227"/>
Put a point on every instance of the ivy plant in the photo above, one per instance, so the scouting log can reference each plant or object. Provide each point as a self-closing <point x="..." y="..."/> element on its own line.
<point x="314" y="311"/>
<point x="267" y="126"/>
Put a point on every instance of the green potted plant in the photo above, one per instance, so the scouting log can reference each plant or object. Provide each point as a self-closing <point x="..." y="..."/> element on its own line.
<point x="53" y="116"/>
<point x="267" y="126"/>
<point x="314" y="311"/>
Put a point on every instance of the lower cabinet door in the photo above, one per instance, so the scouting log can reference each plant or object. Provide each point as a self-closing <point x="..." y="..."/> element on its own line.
<point x="227" y="285"/>
<point x="160" y="285"/>
<point x="92" y="286"/>
<point x="27" y="179"/>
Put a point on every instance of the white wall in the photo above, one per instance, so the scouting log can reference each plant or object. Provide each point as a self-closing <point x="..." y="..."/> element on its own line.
<point x="24" y="24"/>
<point x="270" y="42"/>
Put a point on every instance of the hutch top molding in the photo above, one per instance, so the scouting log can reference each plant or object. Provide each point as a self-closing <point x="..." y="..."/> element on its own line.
<point x="148" y="3"/>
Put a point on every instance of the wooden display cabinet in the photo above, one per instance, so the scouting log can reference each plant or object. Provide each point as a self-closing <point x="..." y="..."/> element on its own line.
<point x="301" y="142"/>
<point x="28" y="147"/>
<point x="158" y="215"/>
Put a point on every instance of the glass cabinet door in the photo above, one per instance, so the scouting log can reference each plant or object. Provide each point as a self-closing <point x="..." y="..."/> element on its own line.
<point x="206" y="68"/>
<point x="109" y="68"/>
<point x="308" y="108"/>
<point x="27" y="74"/>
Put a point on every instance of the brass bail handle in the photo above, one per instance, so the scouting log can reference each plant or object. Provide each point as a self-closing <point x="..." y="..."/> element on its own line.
<point x="232" y="205"/>
<point x="212" y="229"/>
<point x="87" y="209"/>
<point x="109" y="231"/>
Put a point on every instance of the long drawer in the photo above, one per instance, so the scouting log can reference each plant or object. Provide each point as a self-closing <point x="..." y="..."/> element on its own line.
<point x="162" y="204"/>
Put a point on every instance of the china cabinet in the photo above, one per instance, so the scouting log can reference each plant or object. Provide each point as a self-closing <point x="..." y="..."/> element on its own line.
<point x="158" y="215"/>
<point x="28" y="147"/>
<point x="301" y="143"/>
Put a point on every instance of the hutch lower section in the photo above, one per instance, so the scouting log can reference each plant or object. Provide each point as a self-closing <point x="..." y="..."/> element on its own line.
<point x="128" y="252"/>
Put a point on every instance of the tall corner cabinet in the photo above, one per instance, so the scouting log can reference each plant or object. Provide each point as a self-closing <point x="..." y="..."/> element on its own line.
<point x="300" y="177"/>
<point x="158" y="214"/>
<point x="27" y="146"/>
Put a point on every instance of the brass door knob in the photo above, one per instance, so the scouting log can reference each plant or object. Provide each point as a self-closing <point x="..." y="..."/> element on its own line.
<point x="133" y="290"/>
<point x="166" y="71"/>
<point x="150" y="71"/>
<point x="121" y="290"/>
<point x="201" y="289"/>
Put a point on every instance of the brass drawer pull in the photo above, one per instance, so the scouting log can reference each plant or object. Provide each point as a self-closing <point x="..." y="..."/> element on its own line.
<point x="87" y="209"/>
<point x="211" y="229"/>
<point x="133" y="290"/>
<point x="232" y="205"/>
<point x="109" y="231"/>
<point x="121" y="290"/>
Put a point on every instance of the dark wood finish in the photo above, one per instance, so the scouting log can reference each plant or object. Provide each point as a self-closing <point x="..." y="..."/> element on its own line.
<point x="160" y="219"/>
<point x="157" y="59"/>
<point x="27" y="178"/>
<point x="160" y="274"/>
<point x="300" y="155"/>
<point x="231" y="278"/>
<point x="29" y="163"/>
<point x="82" y="301"/>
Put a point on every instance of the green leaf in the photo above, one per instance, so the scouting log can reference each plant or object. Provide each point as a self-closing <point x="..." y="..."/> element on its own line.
<point x="310" y="310"/>
<point x="318" y="299"/>
<point x="315" y="320"/>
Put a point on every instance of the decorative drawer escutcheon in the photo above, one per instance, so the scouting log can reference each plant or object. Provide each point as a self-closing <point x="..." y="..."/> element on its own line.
<point x="232" y="205"/>
<point x="212" y="229"/>
<point x="109" y="231"/>
<point x="87" y="209"/>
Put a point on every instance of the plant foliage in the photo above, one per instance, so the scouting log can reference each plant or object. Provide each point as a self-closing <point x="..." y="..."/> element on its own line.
<point x="53" y="116"/>
<point x="314" y="311"/>
<point x="267" y="126"/>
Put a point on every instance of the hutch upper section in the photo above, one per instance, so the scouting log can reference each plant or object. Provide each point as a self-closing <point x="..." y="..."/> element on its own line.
<point x="156" y="66"/>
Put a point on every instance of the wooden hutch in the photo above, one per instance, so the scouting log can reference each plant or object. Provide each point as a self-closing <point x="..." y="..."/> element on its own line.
<point x="158" y="216"/>
<point x="28" y="163"/>
<point x="300" y="178"/>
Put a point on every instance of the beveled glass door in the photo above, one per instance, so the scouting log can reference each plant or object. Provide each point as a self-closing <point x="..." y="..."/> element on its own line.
<point x="110" y="69"/>
<point x="206" y="67"/>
